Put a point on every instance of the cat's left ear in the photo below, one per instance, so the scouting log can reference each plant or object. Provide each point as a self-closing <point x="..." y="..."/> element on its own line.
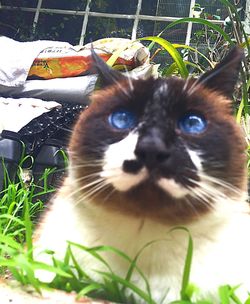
<point x="108" y="76"/>
<point x="224" y="76"/>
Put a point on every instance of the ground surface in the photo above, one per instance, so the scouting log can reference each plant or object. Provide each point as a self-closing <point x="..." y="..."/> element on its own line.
<point x="14" y="294"/>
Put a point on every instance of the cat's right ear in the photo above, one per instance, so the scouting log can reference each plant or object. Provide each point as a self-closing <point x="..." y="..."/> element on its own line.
<point x="224" y="76"/>
<point x="108" y="76"/>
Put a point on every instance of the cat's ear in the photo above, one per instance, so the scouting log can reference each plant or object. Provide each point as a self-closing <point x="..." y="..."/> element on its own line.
<point x="224" y="76"/>
<point x="108" y="76"/>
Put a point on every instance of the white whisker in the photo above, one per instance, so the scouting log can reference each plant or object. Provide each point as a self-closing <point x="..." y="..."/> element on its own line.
<point x="189" y="203"/>
<point x="131" y="87"/>
<point x="126" y="93"/>
<point x="194" y="87"/>
<point x="108" y="196"/>
<point x="93" y="192"/>
<point x="202" y="197"/>
<point x="89" y="176"/>
<point x="85" y="187"/>
<point x="186" y="84"/>
<point x="219" y="182"/>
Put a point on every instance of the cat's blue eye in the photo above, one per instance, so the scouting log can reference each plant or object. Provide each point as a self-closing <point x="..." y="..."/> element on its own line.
<point x="192" y="124"/>
<point x="122" y="119"/>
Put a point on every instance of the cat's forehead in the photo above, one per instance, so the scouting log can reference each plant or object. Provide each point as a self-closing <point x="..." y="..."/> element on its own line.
<point x="174" y="96"/>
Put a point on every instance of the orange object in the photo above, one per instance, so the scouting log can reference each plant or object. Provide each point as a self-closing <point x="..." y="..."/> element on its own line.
<point x="69" y="66"/>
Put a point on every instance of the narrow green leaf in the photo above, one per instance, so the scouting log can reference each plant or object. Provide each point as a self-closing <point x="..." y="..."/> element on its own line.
<point x="11" y="218"/>
<point x="244" y="44"/>
<point x="8" y="262"/>
<point x="111" y="61"/>
<point x="29" y="271"/>
<point x="43" y="266"/>
<point x="247" y="301"/>
<point x="187" y="265"/>
<point x="173" y="67"/>
<point x="134" y="266"/>
<point x="181" y="302"/>
<point x="129" y="285"/>
<point x="11" y="207"/>
<point x="16" y="274"/>
<point x="233" y="295"/>
<point x="28" y="231"/>
<point x="224" y="294"/>
<point x="93" y="251"/>
<point x="172" y="52"/>
<point x="79" y="270"/>
<point x="242" y="104"/>
<point x="10" y="242"/>
<point x="86" y="290"/>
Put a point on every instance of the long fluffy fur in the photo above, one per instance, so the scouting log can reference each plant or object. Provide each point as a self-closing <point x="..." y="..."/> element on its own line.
<point x="112" y="198"/>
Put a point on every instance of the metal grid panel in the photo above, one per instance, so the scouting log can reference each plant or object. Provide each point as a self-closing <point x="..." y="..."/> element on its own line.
<point x="114" y="7"/>
<point x="19" y="3"/>
<point x="173" y="8"/>
<point x="60" y="27"/>
<point x="65" y="5"/>
<point x="113" y="28"/>
<point x="12" y="22"/>
<point x="76" y="20"/>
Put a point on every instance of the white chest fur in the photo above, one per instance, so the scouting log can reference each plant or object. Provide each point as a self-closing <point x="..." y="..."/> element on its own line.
<point x="221" y="244"/>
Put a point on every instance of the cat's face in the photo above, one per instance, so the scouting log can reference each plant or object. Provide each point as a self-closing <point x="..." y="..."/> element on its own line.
<point x="161" y="148"/>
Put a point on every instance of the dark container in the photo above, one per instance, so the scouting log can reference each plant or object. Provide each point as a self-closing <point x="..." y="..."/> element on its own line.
<point x="50" y="156"/>
<point x="11" y="149"/>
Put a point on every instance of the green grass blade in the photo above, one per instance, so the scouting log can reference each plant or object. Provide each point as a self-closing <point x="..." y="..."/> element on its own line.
<point x="172" y="52"/>
<point x="134" y="266"/>
<point x="43" y="266"/>
<point x="94" y="252"/>
<point x="28" y="230"/>
<point x="90" y="288"/>
<point x="111" y="61"/>
<point x="242" y="105"/>
<point x="24" y="264"/>
<point x="8" y="262"/>
<point x="181" y="302"/>
<point x="224" y="294"/>
<point x="77" y="267"/>
<point x="11" y="207"/>
<point x="173" y="67"/>
<point x="247" y="301"/>
<point x="129" y="285"/>
<point x="187" y="265"/>
<point x="10" y="242"/>
<point x="16" y="274"/>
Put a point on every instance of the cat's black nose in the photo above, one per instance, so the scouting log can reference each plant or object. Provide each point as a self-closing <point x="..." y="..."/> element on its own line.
<point x="151" y="150"/>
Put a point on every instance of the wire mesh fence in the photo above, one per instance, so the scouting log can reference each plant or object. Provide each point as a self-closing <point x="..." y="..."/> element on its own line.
<point x="82" y="21"/>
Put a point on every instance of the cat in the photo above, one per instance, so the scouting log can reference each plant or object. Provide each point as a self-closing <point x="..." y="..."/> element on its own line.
<point x="149" y="155"/>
